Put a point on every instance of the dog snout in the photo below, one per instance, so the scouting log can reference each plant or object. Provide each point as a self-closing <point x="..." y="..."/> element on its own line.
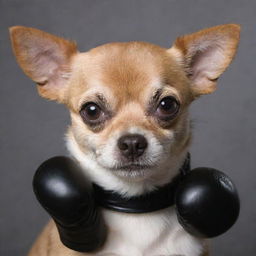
<point x="132" y="146"/>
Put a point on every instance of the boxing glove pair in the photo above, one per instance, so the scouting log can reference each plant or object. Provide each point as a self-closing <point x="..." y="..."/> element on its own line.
<point x="205" y="199"/>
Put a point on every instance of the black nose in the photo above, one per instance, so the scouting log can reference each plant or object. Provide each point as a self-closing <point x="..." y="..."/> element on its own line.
<point x="132" y="145"/>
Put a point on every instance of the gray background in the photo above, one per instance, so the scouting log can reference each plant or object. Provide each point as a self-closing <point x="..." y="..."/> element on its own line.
<point x="31" y="129"/>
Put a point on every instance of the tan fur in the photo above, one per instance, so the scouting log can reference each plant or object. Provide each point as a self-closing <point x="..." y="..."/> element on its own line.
<point x="127" y="75"/>
<point x="49" y="244"/>
<point x="126" y="69"/>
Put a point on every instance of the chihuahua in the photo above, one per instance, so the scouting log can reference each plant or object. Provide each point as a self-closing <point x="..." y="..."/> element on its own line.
<point x="130" y="129"/>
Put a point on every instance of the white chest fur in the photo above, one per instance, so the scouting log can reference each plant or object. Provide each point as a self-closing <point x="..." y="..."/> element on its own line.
<point x="151" y="234"/>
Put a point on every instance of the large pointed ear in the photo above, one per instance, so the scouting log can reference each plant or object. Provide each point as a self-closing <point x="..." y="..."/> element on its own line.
<point x="45" y="58"/>
<point x="206" y="54"/>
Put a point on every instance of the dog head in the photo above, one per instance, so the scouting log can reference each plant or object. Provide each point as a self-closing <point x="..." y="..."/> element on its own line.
<point x="128" y="101"/>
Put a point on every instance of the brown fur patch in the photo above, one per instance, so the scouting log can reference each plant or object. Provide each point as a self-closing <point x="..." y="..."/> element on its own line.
<point x="128" y="71"/>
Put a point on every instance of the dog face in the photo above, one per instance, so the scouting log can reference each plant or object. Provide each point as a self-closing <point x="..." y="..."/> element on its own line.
<point x="130" y="112"/>
<point x="128" y="101"/>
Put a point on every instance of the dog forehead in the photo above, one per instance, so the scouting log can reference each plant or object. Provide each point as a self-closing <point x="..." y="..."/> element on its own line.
<point x="129" y="70"/>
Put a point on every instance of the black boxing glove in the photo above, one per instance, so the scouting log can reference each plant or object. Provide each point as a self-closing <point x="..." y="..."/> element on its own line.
<point x="207" y="203"/>
<point x="63" y="191"/>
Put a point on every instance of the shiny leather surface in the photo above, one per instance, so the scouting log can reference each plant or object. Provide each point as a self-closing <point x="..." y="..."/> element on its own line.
<point x="207" y="202"/>
<point x="63" y="191"/>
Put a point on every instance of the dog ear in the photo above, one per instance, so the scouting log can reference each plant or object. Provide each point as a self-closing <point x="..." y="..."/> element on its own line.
<point x="45" y="58"/>
<point x="206" y="54"/>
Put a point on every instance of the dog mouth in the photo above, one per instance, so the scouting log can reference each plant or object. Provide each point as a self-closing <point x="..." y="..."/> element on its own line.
<point x="132" y="167"/>
<point x="132" y="171"/>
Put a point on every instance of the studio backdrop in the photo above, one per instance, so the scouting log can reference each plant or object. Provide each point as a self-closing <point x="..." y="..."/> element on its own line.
<point x="32" y="129"/>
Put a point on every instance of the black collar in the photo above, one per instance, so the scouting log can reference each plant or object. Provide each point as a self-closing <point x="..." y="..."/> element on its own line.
<point x="156" y="200"/>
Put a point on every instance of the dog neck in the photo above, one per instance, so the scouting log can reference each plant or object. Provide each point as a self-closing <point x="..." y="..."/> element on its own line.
<point x="127" y="188"/>
<point x="160" y="198"/>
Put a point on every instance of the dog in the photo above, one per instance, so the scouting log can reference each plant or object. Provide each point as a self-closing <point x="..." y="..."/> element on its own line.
<point x="130" y="129"/>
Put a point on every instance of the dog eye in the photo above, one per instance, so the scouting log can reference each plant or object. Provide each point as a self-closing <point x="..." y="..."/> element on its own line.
<point x="91" y="112"/>
<point x="167" y="108"/>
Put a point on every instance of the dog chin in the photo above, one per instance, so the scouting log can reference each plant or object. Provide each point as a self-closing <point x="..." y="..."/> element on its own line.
<point x="133" y="174"/>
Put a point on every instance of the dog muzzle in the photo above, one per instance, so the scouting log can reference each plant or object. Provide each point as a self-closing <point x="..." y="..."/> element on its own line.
<point x="206" y="202"/>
